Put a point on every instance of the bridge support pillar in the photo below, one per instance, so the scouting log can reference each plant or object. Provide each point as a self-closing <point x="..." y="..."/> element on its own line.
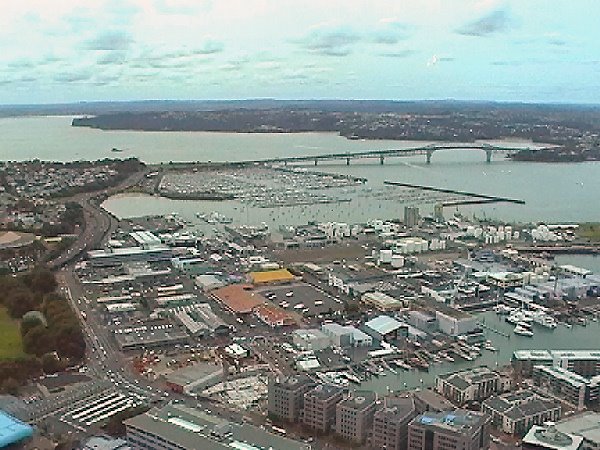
<point x="381" y="158"/>
<point x="347" y="161"/>
<point x="316" y="162"/>
<point x="285" y="163"/>
<point x="488" y="155"/>
<point x="429" y="153"/>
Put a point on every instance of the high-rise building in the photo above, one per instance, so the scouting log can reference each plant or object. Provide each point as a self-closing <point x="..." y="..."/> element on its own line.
<point x="390" y="423"/>
<point x="449" y="430"/>
<point x="320" y="405"/>
<point x="411" y="216"/>
<point x="286" y="397"/>
<point x="354" y="416"/>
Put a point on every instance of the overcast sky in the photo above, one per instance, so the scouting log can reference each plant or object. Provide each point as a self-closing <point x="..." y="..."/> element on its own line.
<point x="522" y="50"/>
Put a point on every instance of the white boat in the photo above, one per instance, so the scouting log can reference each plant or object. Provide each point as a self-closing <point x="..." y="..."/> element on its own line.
<point x="520" y="316"/>
<point x="502" y="309"/>
<point x="545" y="320"/>
<point x="521" y="331"/>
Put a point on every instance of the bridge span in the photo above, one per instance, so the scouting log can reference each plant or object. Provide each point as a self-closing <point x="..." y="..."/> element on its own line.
<point x="426" y="150"/>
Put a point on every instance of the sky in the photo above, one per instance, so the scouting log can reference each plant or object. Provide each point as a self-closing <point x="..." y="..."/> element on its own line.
<point x="55" y="51"/>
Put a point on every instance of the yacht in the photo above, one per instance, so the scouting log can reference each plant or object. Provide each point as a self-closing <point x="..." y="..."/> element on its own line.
<point x="545" y="320"/>
<point x="502" y="309"/>
<point x="521" y="331"/>
<point x="519" y="316"/>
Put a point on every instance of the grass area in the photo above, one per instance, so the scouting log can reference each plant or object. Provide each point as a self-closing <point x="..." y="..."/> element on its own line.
<point x="589" y="231"/>
<point x="10" y="337"/>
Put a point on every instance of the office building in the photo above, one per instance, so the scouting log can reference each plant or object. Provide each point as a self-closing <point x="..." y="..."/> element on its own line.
<point x="515" y="413"/>
<point x="286" y="397"/>
<point x="467" y="385"/>
<point x="178" y="427"/>
<point x="411" y="216"/>
<point x="578" y="390"/>
<point x="320" y="405"/>
<point x="583" y="362"/>
<point x="390" y="423"/>
<point x="450" y="430"/>
<point x="354" y="416"/>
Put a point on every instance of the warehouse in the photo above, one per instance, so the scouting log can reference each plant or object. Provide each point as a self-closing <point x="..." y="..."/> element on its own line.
<point x="194" y="378"/>
<point x="239" y="299"/>
<point x="385" y="328"/>
<point x="381" y="301"/>
<point x="279" y="276"/>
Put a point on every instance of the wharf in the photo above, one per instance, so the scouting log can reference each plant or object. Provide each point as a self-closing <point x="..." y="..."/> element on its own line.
<point x="482" y="198"/>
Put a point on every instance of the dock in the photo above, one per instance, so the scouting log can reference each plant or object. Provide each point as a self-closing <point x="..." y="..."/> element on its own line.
<point x="478" y="198"/>
<point x="493" y="330"/>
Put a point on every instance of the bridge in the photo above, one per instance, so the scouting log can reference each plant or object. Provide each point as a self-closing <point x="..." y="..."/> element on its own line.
<point x="426" y="150"/>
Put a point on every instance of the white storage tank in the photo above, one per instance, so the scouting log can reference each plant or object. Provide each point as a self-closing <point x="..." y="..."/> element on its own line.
<point x="397" y="261"/>
<point x="385" y="256"/>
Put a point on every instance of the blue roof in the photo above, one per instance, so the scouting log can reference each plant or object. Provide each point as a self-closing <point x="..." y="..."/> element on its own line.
<point x="12" y="430"/>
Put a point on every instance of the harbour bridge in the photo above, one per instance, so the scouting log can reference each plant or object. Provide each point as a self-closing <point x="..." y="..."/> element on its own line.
<point x="426" y="150"/>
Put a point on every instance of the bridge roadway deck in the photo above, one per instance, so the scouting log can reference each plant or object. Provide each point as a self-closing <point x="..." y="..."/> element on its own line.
<point x="381" y="154"/>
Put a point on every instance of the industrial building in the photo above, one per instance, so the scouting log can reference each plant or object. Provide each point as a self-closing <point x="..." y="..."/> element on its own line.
<point x="238" y="298"/>
<point x="320" y="407"/>
<point x="193" y="379"/>
<point x="454" y="322"/>
<point x="390" y="423"/>
<point x="279" y="276"/>
<point x="149" y="336"/>
<point x="411" y="216"/>
<point x="310" y="340"/>
<point x="286" y="397"/>
<point x="468" y="385"/>
<point x="385" y="328"/>
<point x="346" y="336"/>
<point x="381" y="301"/>
<point x="449" y="430"/>
<point x="273" y="316"/>
<point x="178" y="427"/>
<point x="200" y="320"/>
<point x="354" y="416"/>
<point x="515" y="413"/>
<point x="578" y="390"/>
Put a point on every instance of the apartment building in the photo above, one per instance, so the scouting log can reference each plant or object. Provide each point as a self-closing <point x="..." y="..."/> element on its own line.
<point x="320" y="407"/>
<point x="354" y="416"/>
<point x="449" y="430"/>
<point x="477" y="383"/>
<point x="390" y="423"/>
<point x="286" y="397"/>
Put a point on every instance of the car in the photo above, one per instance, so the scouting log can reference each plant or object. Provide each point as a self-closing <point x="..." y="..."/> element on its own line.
<point x="289" y="294"/>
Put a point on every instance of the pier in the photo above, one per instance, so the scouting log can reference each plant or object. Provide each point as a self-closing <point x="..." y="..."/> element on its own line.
<point x="493" y="330"/>
<point x="480" y="198"/>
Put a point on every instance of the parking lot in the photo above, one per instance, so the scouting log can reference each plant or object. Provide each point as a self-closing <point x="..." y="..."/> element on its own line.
<point x="302" y="298"/>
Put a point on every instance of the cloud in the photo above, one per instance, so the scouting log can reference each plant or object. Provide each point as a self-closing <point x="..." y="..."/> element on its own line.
<point x="398" y="54"/>
<point x="330" y="42"/>
<point x="494" y="22"/>
<point x="74" y="76"/>
<point x="113" y="57"/>
<point x="392" y="31"/>
<point x="110" y="40"/>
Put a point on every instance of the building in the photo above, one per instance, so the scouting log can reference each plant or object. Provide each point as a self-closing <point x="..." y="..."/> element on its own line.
<point x="578" y="390"/>
<point x="381" y="301"/>
<point x="150" y="336"/>
<point x="320" y="407"/>
<point x="586" y="425"/>
<point x="346" y="336"/>
<point x="354" y="416"/>
<point x="310" y="340"/>
<point x="193" y="379"/>
<point x="200" y="320"/>
<point x="422" y="320"/>
<point x="429" y="400"/>
<point x="178" y="427"/>
<point x="385" y="328"/>
<point x="273" y="316"/>
<point x="238" y="298"/>
<point x="454" y="322"/>
<point x="515" y="413"/>
<point x="279" y="276"/>
<point x="411" y="216"/>
<point x="473" y="384"/>
<point x="105" y="443"/>
<point x="583" y="362"/>
<point x="286" y="397"/>
<point x="208" y="282"/>
<point x="12" y="430"/>
<point x="450" y="430"/>
<point x="390" y="423"/>
<point x="542" y="437"/>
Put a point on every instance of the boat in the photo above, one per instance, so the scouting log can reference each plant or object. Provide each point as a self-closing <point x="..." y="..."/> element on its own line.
<point x="502" y="309"/>
<point x="545" y="320"/>
<point x="116" y="150"/>
<point x="521" y="331"/>
<point x="519" y="316"/>
<point x="568" y="325"/>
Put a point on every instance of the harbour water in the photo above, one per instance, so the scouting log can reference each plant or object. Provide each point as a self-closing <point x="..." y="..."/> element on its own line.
<point x="552" y="192"/>
<point x="561" y="338"/>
